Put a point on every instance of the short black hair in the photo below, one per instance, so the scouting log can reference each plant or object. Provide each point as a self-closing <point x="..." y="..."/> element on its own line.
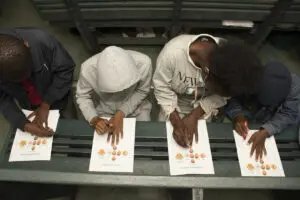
<point x="237" y="67"/>
<point x="14" y="57"/>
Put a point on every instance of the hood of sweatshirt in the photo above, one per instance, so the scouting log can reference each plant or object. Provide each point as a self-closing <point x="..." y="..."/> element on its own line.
<point x="116" y="70"/>
<point x="204" y="36"/>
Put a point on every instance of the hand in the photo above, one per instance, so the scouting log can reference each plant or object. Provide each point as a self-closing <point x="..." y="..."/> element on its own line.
<point x="258" y="144"/>
<point x="191" y="122"/>
<point x="101" y="125"/>
<point x="37" y="130"/>
<point x="116" y="128"/>
<point x="180" y="132"/>
<point x="41" y="115"/>
<point x="240" y="124"/>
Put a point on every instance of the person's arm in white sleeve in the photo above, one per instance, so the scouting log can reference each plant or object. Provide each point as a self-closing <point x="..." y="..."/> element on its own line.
<point x="211" y="103"/>
<point x="162" y="80"/>
<point x="84" y="98"/>
<point x="143" y="87"/>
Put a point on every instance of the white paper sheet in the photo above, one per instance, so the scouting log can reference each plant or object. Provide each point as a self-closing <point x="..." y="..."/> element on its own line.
<point x="27" y="147"/>
<point x="180" y="159"/>
<point x="102" y="156"/>
<point x="271" y="165"/>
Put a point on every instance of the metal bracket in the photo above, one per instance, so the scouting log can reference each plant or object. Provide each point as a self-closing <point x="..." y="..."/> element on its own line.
<point x="88" y="38"/>
<point x="175" y="25"/>
<point x="198" y="193"/>
<point x="261" y="32"/>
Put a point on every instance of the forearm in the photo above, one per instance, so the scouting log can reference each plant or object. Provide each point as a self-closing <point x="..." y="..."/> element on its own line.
<point x="279" y="122"/>
<point x="233" y="108"/>
<point x="197" y="112"/>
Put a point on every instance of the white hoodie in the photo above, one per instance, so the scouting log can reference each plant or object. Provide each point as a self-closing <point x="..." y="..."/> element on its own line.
<point x="176" y="79"/>
<point x="120" y="79"/>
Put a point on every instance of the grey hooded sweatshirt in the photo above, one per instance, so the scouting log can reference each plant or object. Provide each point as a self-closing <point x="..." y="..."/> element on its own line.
<point x="178" y="82"/>
<point x="120" y="80"/>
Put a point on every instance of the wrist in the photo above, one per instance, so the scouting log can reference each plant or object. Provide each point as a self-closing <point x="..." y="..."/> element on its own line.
<point x="26" y="127"/>
<point x="45" y="105"/>
<point x="120" y="113"/>
<point x="265" y="133"/>
<point x="239" y="117"/>
<point x="198" y="112"/>
<point x="94" y="120"/>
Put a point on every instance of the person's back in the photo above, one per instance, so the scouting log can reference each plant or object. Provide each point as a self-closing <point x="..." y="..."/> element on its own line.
<point x="36" y="71"/>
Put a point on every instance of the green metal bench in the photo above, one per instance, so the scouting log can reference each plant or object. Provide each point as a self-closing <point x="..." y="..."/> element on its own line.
<point x="170" y="15"/>
<point x="71" y="155"/>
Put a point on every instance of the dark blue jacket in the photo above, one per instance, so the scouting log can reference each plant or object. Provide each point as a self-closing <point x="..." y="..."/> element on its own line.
<point x="274" y="119"/>
<point x="52" y="75"/>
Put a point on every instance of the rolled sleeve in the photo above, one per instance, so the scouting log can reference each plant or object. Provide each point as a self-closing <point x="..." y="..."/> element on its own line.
<point x="233" y="108"/>
<point x="213" y="102"/>
<point x="270" y="129"/>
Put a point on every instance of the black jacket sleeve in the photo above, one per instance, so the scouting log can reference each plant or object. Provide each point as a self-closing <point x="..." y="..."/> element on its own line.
<point x="11" y="112"/>
<point x="62" y="67"/>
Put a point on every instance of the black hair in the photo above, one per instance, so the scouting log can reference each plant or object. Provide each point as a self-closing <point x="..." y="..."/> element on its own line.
<point x="14" y="57"/>
<point x="236" y="66"/>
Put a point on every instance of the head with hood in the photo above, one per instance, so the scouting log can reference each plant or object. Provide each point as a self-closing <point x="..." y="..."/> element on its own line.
<point x="15" y="59"/>
<point x="200" y="49"/>
<point x="116" y="70"/>
<point x="275" y="85"/>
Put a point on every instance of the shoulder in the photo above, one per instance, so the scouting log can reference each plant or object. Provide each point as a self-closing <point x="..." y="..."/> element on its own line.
<point x="142" y="61"/>
<point x="88" y="66"/>
<point x="140" y="58"/>
<point x="176" y="48"/>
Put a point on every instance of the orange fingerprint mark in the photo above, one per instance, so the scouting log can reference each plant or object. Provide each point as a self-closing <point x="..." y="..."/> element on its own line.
<point x="268" y="167"/>
<point x="202" y="155"/>
<point x="179" y="156"/>
<point x="114" y="153"/>
<point x="274" y="167"/>
<point x="125" y="153"/>
<point x="101" y="152"/>
<point x="250" y="166"/>
<point x="264" y="173"/>
<point x="261" y="162"/>
<point x="118" y="152"/>
<point x="192" y="155"/>
<point x="44" y="141"/>
<point x="193" y="161"/>
<point x="33" y="148"/>
<point x="38" y="142"/>
<point x="23" y="143"/>
<point x="262" y="167"/>
<point x="196" y="156"/>
<point x="113" y="158"/>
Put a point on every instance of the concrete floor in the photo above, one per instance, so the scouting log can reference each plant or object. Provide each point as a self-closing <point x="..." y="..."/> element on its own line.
<point x="21" y="13"/>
